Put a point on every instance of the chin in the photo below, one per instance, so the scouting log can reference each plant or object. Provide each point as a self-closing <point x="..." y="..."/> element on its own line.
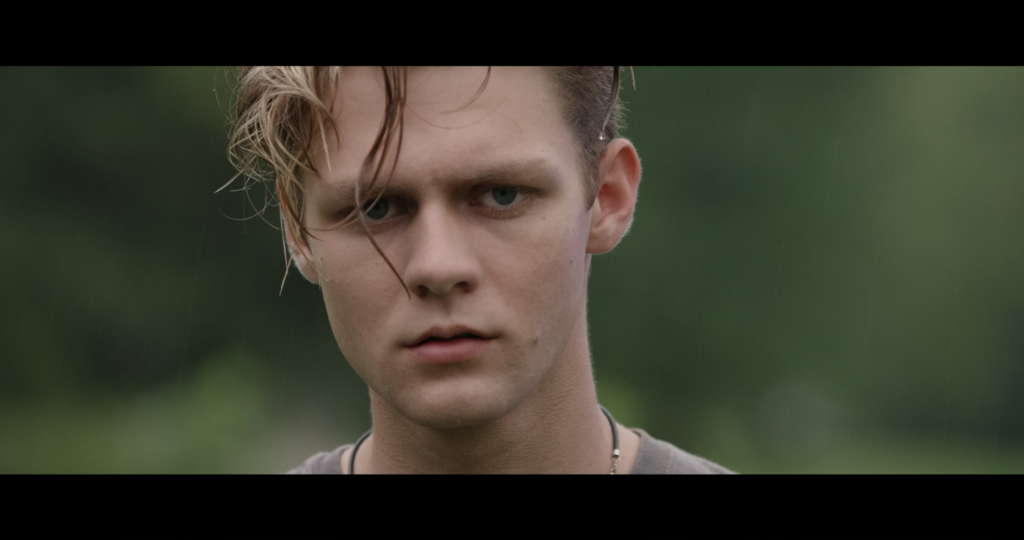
<point x="439" y="409"/>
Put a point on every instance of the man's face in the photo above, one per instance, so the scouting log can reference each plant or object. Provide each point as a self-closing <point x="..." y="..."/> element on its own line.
<point x="485" y="220"/>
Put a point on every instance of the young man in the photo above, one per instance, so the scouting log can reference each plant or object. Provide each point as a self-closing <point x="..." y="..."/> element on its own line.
<point x="449" y="216"/>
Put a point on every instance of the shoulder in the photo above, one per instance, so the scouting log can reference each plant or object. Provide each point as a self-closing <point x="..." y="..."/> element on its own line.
<point x="322" y="463"/>
<point x="660" y="457"/>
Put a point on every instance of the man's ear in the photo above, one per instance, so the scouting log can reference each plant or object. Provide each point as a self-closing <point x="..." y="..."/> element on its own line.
<point x="297" y="247"/>
<point x="618" y="179"/>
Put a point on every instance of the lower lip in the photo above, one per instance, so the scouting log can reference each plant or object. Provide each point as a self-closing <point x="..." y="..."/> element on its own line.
<point x="448" y="351"/>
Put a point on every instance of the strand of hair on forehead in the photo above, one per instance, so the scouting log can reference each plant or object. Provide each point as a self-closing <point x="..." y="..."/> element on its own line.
<point x="394" y="107"/>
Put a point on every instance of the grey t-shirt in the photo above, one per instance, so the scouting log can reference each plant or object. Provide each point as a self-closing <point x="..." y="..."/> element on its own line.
<point x="655" y="457"/>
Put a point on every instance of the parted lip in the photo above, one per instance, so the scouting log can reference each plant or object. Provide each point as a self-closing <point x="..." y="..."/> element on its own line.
<point x="447" y="332"/>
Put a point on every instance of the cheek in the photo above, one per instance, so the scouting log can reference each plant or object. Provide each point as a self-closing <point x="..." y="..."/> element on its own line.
<point x="567" y="249"/>
<point x="354" y="287"/>
<point x="544" y="272"/>
<point x="572" y="268"/>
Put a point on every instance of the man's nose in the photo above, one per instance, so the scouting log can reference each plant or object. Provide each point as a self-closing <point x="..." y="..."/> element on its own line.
<point x="442" y="260"/>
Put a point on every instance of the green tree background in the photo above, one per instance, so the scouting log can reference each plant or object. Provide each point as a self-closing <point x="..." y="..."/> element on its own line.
<point x="824" y="275"/>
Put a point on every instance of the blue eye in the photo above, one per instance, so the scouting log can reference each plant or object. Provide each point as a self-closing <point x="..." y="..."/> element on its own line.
<point x="504" y="196"/>
<point x="378" y="211"/>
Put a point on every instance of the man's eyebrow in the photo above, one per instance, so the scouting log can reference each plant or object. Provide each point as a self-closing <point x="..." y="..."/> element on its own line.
<point x="343" y="189"/>
<point x="510" y="170"/>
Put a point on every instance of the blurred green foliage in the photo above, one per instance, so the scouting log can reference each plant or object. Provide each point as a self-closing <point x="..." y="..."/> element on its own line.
<point x="823" y="275"/>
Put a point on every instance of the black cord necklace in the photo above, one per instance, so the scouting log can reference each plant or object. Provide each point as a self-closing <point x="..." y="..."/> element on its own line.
<point x="615" y="444"/>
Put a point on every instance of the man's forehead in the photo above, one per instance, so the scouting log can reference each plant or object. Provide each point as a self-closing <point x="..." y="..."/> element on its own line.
<point x="445" y="87"/>
<point x="454" y="128"/>
<point x="443" y="98"/>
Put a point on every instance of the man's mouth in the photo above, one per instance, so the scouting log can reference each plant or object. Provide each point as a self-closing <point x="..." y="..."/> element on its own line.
<point x="464" y="335"/>
<point x="448" y="333"/>
<point x="448" y="345"/>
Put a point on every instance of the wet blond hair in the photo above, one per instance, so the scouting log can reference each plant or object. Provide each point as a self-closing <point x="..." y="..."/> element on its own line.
<point x="283" y="115"/>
